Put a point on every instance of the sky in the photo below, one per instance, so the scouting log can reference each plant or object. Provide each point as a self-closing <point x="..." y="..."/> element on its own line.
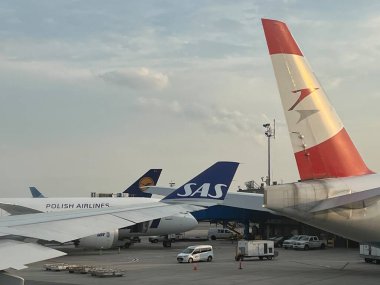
<point x="94" y="93"/>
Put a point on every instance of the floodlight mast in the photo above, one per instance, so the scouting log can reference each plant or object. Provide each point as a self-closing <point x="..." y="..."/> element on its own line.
<point x="269" y="133"/>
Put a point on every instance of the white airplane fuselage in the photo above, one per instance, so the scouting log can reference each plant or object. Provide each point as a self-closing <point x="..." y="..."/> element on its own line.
<point x="328" y="204"/>
<point x="173" y="224"/>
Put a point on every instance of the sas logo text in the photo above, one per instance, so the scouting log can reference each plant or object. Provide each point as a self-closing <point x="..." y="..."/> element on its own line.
<point x="191" y="190"/>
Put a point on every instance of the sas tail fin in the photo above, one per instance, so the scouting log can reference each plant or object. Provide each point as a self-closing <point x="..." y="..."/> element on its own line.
<point x="321" y="145"/>
<point x="35" y="193"/>
<point x="148" y="179"/>
<point x="208" y="188"/>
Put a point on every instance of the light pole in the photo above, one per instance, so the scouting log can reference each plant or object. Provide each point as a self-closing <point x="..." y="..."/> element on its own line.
<point x="269" y="132"/>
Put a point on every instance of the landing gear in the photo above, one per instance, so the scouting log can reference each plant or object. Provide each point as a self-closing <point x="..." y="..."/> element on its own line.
<point x="167" y="243"/>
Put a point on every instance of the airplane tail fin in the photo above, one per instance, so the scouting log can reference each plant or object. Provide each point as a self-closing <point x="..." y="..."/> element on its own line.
<point x="321" y="145"/>
<point x="137" y="189"/>
<point x="208" y="188"/>
<point x="35" y="193"/>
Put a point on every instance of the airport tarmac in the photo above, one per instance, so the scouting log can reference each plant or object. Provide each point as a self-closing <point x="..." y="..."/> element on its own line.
<point x="147" y="263"/>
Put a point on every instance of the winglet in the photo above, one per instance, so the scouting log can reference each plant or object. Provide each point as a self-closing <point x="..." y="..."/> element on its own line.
<point x="208" y="188"/>
<point x="150" y="178"/>
<point x="36" y="193"/>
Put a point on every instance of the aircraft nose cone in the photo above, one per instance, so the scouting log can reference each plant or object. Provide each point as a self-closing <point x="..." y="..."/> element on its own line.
<point x="191" y="222"/>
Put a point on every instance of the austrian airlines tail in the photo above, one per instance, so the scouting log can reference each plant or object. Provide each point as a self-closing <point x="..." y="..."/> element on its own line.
<point x="338" y="193"/>
<point x="321" y="145"/>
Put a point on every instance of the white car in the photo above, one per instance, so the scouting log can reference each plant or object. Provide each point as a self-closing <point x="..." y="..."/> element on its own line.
<point x="309" y="242"/>
<point x="290" y="242"/>
<point x="196" y="253"/>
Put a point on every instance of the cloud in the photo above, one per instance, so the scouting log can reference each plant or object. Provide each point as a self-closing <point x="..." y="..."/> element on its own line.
<point x="213" y="118"/>
<point x="160" y="105"/>
<point x="230" y="120"/>
<point x="48" y="69"/>
<point x="139" y="79"/>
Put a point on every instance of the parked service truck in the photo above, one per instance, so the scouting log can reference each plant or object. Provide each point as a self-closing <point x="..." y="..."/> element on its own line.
<point x="370" y="253"/>
<point x="308" y="242"/>
<point x="255" y="248"/>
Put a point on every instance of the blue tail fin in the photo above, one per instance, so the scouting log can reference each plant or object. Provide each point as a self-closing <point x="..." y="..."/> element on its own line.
<point x="36" y="193"/>
<point x="208" y="188"/>
<point x="148" y="179"/>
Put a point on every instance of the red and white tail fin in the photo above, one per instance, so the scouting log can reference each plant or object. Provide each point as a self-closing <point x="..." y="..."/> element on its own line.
<point x="321" y="145"/>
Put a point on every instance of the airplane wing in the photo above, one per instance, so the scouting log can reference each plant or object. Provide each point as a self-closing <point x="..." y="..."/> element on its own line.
<point x="17" y="210"/>
<point x="70" y="225"/>
<point x="348" y="200"/>
<point x="209" y="187"/>
<point x="13" y="254"/>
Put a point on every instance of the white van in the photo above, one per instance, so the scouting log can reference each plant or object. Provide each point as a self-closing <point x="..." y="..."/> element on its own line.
<point x="196" y="253"/>
<point x="220" y="233"/>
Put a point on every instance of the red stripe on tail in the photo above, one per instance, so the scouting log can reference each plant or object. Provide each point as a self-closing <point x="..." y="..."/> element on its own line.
<point x="336" y="157"/>
<point x="279" y="38"/>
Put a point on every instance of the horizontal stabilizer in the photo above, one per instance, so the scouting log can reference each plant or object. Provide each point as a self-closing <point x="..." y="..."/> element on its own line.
<point x="346" y="200"/>
<point x="157" y="190"/>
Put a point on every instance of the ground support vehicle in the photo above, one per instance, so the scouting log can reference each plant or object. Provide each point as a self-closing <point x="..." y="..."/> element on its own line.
<point x="102" y="272"/>
<point x="82" y="269"/>
<point x="288" y="243"/>
<point x="56" y="266"/>
<point x="255" y="248"/>
<point x="166" y="240"/>
<point x="196" y="253"/>
<point x="308" y="242"/>
<point x="220" y="233"/>
<point x="370" y="253"/>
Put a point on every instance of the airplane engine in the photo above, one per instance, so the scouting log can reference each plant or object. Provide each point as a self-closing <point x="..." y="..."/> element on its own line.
<point x="103" y="240"/>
